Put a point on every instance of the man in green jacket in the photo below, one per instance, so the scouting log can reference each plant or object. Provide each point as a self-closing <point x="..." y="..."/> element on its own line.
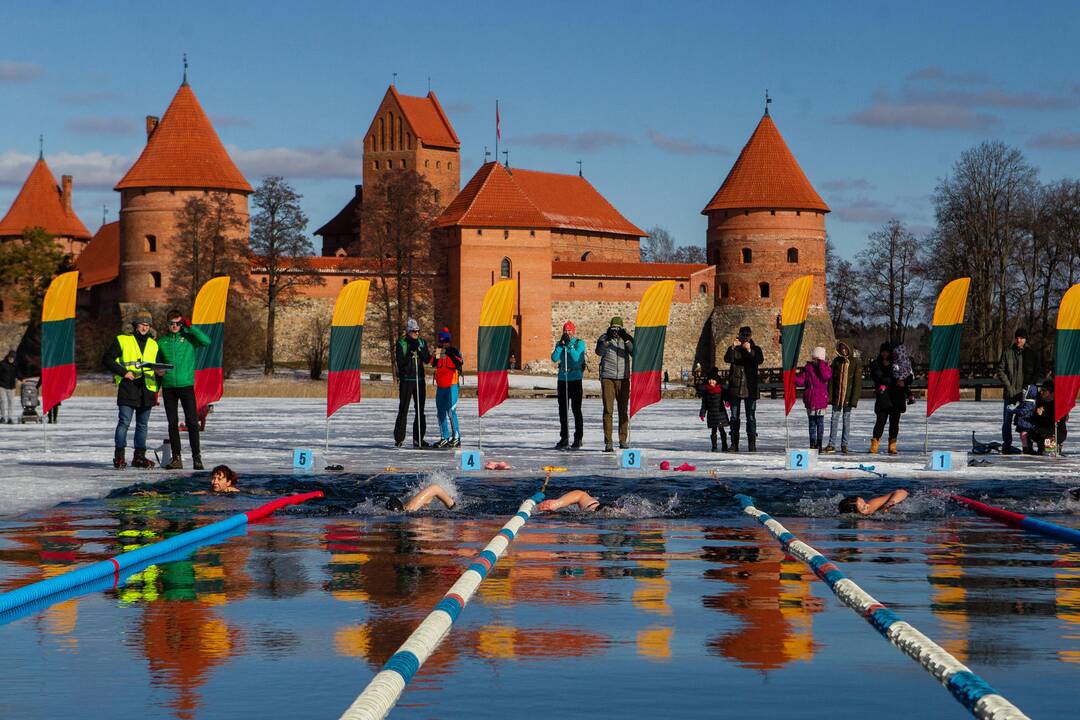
<point x="178" y="348"/>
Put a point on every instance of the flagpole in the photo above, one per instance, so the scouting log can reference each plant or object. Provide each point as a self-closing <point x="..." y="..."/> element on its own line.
<point x="326" y="452"/>
<point x="497" y="133"/>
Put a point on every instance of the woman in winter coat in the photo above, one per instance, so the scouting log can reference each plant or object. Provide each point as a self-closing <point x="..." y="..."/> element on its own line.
<point x="814" y="377"/>
<point x="890" y="396"/>
<point x="713" y="412"/>
<point x="843" y="394"/>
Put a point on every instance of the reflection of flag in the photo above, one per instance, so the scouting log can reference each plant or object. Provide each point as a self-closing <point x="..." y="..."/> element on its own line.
<point x="650" y="331"/>
<point x="209" y="316"/>
<point x="58" y="341"/>
<point x="792" y="323"/>
<point x="346" y="333"/>
<point x="493" y="344"/>
<point x="498" y="132"/>
<point x="943" y="385"/>
<point x="1067" y="353"/>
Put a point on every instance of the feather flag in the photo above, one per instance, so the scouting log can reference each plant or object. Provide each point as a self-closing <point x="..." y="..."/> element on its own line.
<point x="650" y="332"/>
<point x="58" y="341"/>
<point x="1067" y="354"/>
<point x="209" y="316"/>
<point x="943" y="385"/>
<point x="792" y="324"/>
<point x="493" y="344"/>
<point x="346" y="334"/>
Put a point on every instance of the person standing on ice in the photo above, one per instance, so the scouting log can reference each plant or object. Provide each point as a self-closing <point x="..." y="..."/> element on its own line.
<point x="745" y="357"/>
<point x="615" y="348"/>
<point x="178" y="349"/>
<point x="713" y="412"/>
<point x="1017" y="369"/>
<point x="8" y="376"/>
<point x="814" y="377"/>
<point x="890" y="397"/>
<point x="411" y="354"/>
<point x="569" y="353"/>
<point x="843" y="394"/>
<point x="136" y="387"/>
<point x="448" y="363"/>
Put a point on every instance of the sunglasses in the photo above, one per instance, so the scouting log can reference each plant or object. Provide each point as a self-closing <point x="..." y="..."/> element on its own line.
<point x="175" y="322"/>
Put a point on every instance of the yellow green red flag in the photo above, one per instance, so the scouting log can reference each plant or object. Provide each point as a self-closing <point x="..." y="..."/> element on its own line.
<point x="943" y="385"/>
<point x="209" y="316"/>
<point x="58" y="340"/>
<point x="1067" y="354"/>
<point x="346" y="336"/>
<point x="792" y="323"/>
<point x="650" y="333"/>
<point x="493" y="344"/>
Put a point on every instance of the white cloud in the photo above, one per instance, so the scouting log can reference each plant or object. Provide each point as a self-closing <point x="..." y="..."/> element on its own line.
<point x="91" y="169"/>
<point x="18" y="72"/>
<point x="92" y="125"/>
<point x="338" y="161"/>
<point x="684" y="146"/>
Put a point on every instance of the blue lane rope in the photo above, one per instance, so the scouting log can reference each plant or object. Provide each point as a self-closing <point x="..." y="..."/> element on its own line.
<point x="969" y="689"/>
<point x="384" y="690"/>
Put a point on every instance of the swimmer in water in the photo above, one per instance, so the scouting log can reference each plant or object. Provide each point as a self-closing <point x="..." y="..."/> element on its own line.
<point x="856" y="504"/>
<point x="582" y="499"/>
<point x="223" y="480"/>
<point x="421" y="500"/>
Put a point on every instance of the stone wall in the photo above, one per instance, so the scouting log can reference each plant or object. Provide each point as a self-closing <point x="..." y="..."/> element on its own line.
<point x="727" y="319"/>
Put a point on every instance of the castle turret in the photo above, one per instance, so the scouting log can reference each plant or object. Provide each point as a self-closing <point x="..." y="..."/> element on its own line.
<point x="766" y="228"/>
<point x="183" y="158"/>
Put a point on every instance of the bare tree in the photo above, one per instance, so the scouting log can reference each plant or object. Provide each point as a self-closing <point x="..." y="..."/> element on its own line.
<point x="891" y="278"/>
<point x="281" y="250"/>
<point x="689" y="254"/>
<point x="209" y="242"/>
<point x="658" y="245"/>
<point x="316" y="345"/>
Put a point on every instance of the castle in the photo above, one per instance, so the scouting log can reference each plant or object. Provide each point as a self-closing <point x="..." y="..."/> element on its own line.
<point x="574" y="255"/>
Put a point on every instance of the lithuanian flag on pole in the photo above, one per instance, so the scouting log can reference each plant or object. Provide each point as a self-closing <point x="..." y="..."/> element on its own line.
<point x="493" y="344"/>
<point x="209" y="316"/>
<point x="650" y="332"/>
<point x="1067" y="354"/>
<point x="943" y="386"/>
<point x="346" y="334"/>
<point x="792" y="324"/>
<point x="58" y="341"/>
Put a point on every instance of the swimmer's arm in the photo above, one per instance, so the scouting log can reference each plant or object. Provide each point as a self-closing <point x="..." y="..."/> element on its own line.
<point x="895" y="498"/>
<point x="575" y="497"/>
<point x="884" y="502"/>
<point x="423" y="498"/>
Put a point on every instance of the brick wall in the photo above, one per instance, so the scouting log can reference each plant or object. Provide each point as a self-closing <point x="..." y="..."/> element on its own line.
<point x="573" y="246"/>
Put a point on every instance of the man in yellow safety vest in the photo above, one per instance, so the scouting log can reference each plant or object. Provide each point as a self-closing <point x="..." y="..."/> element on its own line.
<point x="130" y="359"/>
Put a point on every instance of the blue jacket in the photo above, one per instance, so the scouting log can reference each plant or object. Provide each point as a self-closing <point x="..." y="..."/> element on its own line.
<point x="575" y="359"/>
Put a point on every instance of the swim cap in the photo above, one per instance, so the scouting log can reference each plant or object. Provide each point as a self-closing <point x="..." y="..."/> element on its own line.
<point x="394" y="505"/>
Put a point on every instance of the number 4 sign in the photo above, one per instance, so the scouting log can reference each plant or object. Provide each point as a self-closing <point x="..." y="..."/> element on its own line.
<point x="471" y="460"/>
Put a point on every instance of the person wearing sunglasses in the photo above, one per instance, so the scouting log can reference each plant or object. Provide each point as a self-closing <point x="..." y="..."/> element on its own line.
<point x="178" y="348"/>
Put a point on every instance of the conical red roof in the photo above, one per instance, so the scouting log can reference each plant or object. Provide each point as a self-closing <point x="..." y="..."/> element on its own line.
<point x="492" y="199"/>
<point x="766" y="175"/>
<point x="39" y="204"/>
<point x="184" y="151"/>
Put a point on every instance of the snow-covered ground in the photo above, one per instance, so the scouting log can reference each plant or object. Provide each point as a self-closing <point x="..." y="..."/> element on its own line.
<point x="259" y="435"/>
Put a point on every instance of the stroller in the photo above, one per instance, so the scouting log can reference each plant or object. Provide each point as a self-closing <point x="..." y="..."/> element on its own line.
<point x="28" y="396"/>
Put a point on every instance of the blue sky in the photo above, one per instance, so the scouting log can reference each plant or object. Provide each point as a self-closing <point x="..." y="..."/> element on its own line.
<point x="877" y="100"/>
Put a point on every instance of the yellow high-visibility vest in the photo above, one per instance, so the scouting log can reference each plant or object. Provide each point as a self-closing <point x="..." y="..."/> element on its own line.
<point x="130" y="356"/>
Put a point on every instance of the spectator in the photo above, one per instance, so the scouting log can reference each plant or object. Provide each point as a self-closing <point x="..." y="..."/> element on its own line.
<point x="8" y="376"/>
<point x="890" y="397"/>
<point x="843" y="394"/>
<point x="1017" y="369"/>
<point x="745" y="357"/>
<point x="569" y="354"/>
<point x="131" y="359"/>
<point x="814" y="377"/>
<point x="411" y="355"/>
<point x="713" y="410"/>
<point x="615" y="348"/>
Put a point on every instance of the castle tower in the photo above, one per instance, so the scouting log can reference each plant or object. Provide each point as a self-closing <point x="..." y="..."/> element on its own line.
<point x="766" y="229"/>
<point x="183" y="158"/>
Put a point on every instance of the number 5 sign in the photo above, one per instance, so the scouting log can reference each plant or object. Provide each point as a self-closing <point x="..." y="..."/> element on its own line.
<point x="303" y="460"/>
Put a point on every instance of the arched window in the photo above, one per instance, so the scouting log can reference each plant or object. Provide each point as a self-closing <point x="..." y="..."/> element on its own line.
<point x="408" y="141"/>
<point x="764" y="289"/>
<point x="793" y="255"/>
<point x="400" y="135"/>
<point x="382" y="134"/>
<point x="390" y="122"/>
<point x="344" y="281"/>
<point x="600" y="285"/>
<point x="403" y="165"/>
<point x="506" y="234"/>
<point x="449" y="165"/>
<point x="702" y="289"/>
<point x="504" y="268"/>
<point x="375" y="164"/>
<point x="263" y="280"/>
<point x="151" y="243"/>
<point x="747" y="256"/>
<point x="371" y="142"/>
<point x="627" y="286"/>
<point x="585" y="255"/>
<point x="572" y="284"/>
<point x="438" y="164"/>
<point x="724" y="290"/>
<point x="155" y="279"/>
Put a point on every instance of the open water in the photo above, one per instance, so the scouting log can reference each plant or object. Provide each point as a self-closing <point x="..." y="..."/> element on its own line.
<point x="670" y="605"/>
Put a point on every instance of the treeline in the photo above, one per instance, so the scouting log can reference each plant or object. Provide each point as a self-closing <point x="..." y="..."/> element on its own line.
<point x="1016" y="237"/>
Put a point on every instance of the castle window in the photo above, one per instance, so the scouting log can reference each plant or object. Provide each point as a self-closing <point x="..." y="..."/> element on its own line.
<point x="382" y="134"/>
<point x="504" y="268"/>
<point x="747" y="256"/>
<point x="532" y="233"/>
<point x="375" y="164"/>
<point x="763" y="288"/>
<point x="438" y="164"/>
<point x="724" y="290"/>
<point x="627" y="286"/>
<point x="344" y="281"/>
<point x="408" y="141"/>
<point x="772" y="212"/>
<point x="745" y="212"/>
<point x="390" y="122"/>
<point x="263" y="280"/>
<point x="793" y="255"/>
<point x="506" y="234"/>
<point x="449" y="165"/>
<point x="403" y="164"/>
<point x="479" y="231"/>
<point x="1" y="306"/>
<point x="585" y="255"/>
<point x="682" y="286"/>
<point x="798" y="213"/>
<point x="702" y="289"/>
<point x="427" y="163"/>
<point x="371" y="143"/>
<point x="155" y="279"/>
<point x="400" y="137"/>
<point x="571" y="283"/>
<point x="151" y="244"/>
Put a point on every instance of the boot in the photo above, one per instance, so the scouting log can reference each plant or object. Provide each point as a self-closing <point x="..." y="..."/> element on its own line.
<point x="829" y="450"/>
<point x="751" y="444"/>
<point x="196" y="462"/>
<point x="175" y="464"/>
<point x="874" y="444"/>
<point x="577" y="444"/>
<point x="119" y="463"/>
<point x="562" y="444"/>
<point x="892" y="446"/>
<point x="139" y="460"/>
<point x="714" y="442"/>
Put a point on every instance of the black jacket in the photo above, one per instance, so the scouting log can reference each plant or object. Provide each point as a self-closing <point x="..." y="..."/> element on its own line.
<point x="411" y="356"/>
<point x="129" y="393"/>
<point x="743" y="381"/>
<point x="7" y="374"/>
<point x="889" y="397"/>
<point x="712" y="406"/>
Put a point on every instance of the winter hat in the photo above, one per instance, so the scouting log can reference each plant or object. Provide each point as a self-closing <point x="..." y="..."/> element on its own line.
<point x="568" y="327"/>
<point x="841" y="346"/>
<point x="714" y="374"/>
<point x="412" y="326"/>
<point x="444" y="335"/>
<point x="819" y="353"/>
<point x="745" y="332"/>
<point x="1020" y="333"/>
<point x="142" y="317"/>
<point x="886" y="347"/>
<point x="616" y="321"/>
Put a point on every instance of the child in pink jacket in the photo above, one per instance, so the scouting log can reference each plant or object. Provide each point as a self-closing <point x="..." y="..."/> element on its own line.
<point x="814" y="377"/>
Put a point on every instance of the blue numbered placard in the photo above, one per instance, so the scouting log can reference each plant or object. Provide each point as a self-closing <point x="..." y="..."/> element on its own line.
<point x="947" y="461"/>
<point x="303" y="459"/>
<point x="471" y="460"/>
<point x="630" y="459"/>
<point x="801" y="459"/>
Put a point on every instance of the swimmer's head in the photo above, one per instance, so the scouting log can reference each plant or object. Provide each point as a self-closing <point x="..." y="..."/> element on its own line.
<point x="597" y="507"/>
<point x="851" y="504"/>
<point x="223" y="479"/>
<point x="395" y="505"/>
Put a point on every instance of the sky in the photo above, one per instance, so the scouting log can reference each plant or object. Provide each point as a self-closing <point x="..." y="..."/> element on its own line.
<point x="876" y="100"/>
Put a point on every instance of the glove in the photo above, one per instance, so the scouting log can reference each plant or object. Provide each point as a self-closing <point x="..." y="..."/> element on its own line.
<point x="564" y="340"/>
<point x="612" y="333"/>
<point x="701" y="418"/>
<point x="186" y="321"/>
<point x="623" y="334"/>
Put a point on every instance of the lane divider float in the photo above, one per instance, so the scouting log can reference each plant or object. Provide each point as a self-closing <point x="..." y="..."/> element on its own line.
<point x="1042" y="527"/>
<point x="384" y="690"/>
<point x="114" y="566"/>
<point x="969" y="689"/>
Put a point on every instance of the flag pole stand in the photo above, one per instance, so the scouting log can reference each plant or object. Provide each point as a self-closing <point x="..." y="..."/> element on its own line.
<point x="480" y="424"/>
<point x="326" y="451"/>
<point x="787" y="440"/>
<point x="45" y="431"/>
<point x="926" y="436"/>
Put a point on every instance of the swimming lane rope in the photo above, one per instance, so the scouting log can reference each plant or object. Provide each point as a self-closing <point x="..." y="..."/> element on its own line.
<point x="969" y="689"/>
<point x="382" y="693"/>
<point x="1023" y="522"/>
<point x="114" y="566"/>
